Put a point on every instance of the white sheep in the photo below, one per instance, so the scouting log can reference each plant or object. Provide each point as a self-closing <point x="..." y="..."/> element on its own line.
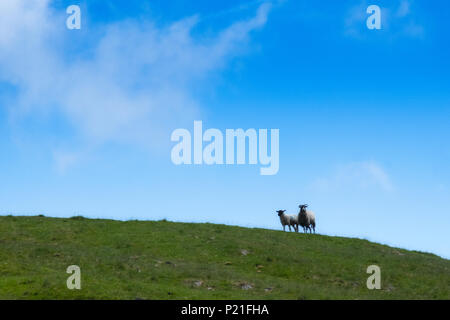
<point x="306" y="218"/>
<point x="288" y="219"/>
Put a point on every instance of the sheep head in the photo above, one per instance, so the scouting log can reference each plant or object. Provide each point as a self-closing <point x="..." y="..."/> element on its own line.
<point x="303" y="207"/>
<point x="280" y="212"/>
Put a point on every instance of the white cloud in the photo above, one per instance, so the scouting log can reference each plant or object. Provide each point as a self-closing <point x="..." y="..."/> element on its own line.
<point x="355" y="20"/>
<point x="65" y="160"/>
<point x="410" y="26"/>
<point x="404" y="8"/>
<point x="397" y="20"/>
<point x="357" y="176"/>
<point x="131" y="82"/>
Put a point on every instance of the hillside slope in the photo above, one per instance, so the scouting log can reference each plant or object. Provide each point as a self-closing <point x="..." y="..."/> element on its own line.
<point x="165" y="260"/>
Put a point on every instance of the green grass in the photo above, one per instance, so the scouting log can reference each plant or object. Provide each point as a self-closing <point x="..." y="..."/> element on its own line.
<point x="166" y="260"/>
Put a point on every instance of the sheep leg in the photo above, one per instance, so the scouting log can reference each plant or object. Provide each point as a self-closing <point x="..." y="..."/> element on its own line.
<point x="289" y="228"/>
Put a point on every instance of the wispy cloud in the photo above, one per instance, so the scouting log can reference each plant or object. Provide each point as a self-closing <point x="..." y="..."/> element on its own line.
<point x="397" y="18"/>
<point x="128" y="83"/>
<point x="404" y="8"/>
<point x="65" y="160"/>
<point x="357" y="176"/>
<point x="355" y="20"/>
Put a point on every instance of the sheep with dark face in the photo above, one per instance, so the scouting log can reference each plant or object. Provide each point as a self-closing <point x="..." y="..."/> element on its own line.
<point x="288" y="220"/>
<point x="306" y="218"/>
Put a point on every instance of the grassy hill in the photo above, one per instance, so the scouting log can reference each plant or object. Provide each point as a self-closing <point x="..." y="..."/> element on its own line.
<point x="165" y="260"/>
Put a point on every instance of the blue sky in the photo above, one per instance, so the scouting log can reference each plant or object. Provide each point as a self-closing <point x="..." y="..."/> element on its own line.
<point x="86" y="115"/>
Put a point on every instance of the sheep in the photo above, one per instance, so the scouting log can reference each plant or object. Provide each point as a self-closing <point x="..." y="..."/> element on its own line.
<point x="306" y="218"/>
<point x="289" y="220"/>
